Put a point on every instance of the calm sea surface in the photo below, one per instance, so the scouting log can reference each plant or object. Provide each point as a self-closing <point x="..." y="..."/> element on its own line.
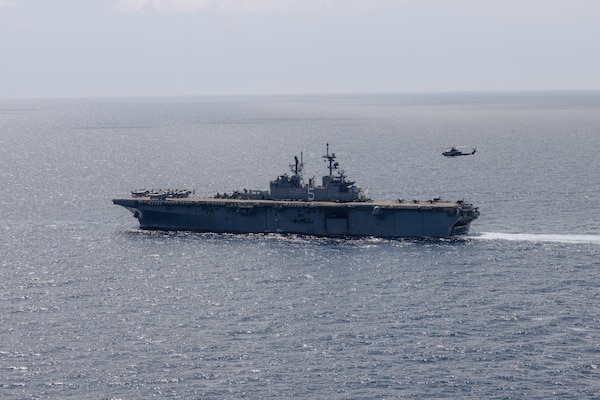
<point x="92" y="307"/>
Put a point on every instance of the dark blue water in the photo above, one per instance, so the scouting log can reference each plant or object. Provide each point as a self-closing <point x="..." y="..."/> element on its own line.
<point x="91" y="307"/>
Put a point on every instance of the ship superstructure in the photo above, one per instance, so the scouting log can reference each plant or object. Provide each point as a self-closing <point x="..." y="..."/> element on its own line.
<point x="335" y="186"/>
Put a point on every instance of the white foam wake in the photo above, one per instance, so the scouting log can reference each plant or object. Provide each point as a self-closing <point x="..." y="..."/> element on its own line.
<point x="535" y="237"/>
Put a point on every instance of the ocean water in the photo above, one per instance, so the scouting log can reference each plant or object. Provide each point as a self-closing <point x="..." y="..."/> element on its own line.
<point x="92" y="307"/>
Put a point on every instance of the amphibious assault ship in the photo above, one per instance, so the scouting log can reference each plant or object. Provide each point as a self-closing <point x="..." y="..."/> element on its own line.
<point x="336" y="208"/>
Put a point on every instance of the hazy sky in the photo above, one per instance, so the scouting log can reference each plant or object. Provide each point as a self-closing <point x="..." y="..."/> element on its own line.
<point x="58" y="48"/>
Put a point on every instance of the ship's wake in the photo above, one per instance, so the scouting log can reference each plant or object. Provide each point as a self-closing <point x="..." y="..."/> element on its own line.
<point x="538" y="237"/>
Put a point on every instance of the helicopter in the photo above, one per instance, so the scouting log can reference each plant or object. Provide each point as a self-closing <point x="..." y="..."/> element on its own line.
<point x="455" y="152"/>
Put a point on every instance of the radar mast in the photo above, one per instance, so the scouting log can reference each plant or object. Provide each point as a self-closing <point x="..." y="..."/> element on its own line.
<point x="332" y="163"/>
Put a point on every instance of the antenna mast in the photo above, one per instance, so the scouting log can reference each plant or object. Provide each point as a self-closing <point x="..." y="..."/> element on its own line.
<point x="331" y="159"/>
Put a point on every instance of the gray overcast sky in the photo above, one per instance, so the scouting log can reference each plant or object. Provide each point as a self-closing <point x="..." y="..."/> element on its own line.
<point x="65" y="48"/>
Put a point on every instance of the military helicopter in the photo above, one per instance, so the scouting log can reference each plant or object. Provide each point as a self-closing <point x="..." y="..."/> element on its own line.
<point x="455" y="152"/>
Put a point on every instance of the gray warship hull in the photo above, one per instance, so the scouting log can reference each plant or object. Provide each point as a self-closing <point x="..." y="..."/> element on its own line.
<point x="336" y="208"/>
<point x="429" y="219"/>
